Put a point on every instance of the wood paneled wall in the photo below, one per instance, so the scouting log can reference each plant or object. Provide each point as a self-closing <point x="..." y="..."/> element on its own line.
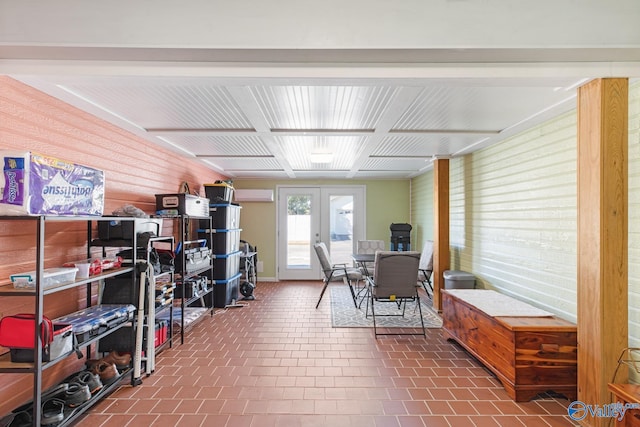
<point x="514" y="216"/>
<point x="135" y="170"/>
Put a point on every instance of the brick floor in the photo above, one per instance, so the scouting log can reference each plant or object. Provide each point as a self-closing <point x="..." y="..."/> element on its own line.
<point x="278" y="362"/>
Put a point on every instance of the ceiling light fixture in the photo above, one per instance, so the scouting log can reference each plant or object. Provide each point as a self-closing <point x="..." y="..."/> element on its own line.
<point x="321" y="157"/>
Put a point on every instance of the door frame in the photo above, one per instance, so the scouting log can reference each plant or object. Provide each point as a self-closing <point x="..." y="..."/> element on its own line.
<point x="359" y="224"/>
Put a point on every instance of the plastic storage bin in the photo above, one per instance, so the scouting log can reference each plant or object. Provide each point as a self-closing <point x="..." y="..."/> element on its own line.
<point x="50" y="277"/>
<point x="97" y="319"/>
<point x="226" y="241"/>
<point x="225" y="216"/>
<point x="220" y="192"/>
<point x="226" y="266"/>
<point x="225" y="292"/>
<point x="456" y="279"/>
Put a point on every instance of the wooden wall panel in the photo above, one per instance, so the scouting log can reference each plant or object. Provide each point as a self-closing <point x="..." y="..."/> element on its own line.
<point x="422" y="209"/>
<point x="135" y="170"/>
<point x="513" y="216"/>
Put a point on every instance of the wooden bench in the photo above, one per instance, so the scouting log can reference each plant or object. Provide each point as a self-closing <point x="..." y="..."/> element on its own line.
<point x="529" y="355"/>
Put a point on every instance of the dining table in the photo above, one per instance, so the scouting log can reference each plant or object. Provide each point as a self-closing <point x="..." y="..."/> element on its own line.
<point x="363" y="261"/>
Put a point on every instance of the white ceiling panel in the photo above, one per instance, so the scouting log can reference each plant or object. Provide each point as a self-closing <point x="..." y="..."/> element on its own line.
<point x="258" y="174"/>
<point x="395" y="164"/>
<point x="243" y="163"/>
<point x="464" y="108"/>
<point x="423" y="145"/>
<point x="220" y="146"/>
<point x="321" y="174"/>
<point x="165" y="104"/>
<point x="299" y="150"/>
<point x="322" y="107"/>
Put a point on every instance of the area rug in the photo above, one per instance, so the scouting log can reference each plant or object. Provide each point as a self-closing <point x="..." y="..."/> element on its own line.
<point x="345" y="315"/>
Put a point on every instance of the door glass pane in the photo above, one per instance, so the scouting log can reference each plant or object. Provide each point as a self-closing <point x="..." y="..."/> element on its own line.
<point x="299" y="231"/>
<point x="341" y="228"/>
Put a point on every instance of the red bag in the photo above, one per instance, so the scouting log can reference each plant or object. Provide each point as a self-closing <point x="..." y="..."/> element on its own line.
<point x="17" y="331"/>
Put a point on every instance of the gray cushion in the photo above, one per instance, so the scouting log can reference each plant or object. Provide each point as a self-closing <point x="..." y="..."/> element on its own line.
<point x="396" y="273"/>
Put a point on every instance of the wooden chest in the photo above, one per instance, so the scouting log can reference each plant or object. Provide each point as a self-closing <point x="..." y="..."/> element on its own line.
<point x="627" y="394"/>
<point x="529" y="355"/>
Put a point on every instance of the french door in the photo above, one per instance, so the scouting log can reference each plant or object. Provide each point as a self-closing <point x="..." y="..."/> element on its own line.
<point x="334" y="215"/>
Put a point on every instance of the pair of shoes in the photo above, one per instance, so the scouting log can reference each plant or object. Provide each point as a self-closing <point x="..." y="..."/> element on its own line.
<point x="90" y="379"/>
<point x="122" y="361"/>
<point x="107" y="371"/>
<point x="52" y="412"/>
<point x="21" y="419"/>
<point x="76" y="394"/>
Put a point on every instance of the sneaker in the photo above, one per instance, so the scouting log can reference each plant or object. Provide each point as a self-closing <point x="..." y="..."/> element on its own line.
<point x="76" y="394"/>
<point x="52" y="412"/>
<point x="90" y="379"/>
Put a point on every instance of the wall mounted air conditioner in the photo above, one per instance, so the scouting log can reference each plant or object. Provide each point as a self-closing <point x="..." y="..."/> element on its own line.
<point x="255" y="195"/>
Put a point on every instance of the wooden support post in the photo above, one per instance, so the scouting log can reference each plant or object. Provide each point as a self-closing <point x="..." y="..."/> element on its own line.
<point x="441" y="258"/>
<point x="602" y="236"/>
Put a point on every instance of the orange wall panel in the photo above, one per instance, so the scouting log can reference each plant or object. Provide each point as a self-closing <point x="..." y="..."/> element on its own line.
<point x="135" y="170"/>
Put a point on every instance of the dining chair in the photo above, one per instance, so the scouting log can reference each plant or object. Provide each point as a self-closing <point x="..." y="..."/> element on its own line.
<point x="394" y="281"/>
<point x="335" y="272"/>
<point x="425" y="270"/>
<point x="369" y="247"/>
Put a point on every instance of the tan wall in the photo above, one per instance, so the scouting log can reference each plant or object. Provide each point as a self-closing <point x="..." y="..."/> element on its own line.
<point x="134" y="170"/>
<point x="387" y="202"/>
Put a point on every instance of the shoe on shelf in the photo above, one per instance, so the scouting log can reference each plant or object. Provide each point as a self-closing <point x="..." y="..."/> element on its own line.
<point x="21" y="419"/>
<point x="76" y="394"/>
<point x="122" y="361"/>
<point x="52" y="412"/>
<point x="106" y="370"/>
<point x="92" y="380"/>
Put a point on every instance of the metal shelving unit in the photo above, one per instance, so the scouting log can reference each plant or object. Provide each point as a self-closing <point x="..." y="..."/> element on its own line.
<point x="189" y="234"/>
<point x="37" y="367"/>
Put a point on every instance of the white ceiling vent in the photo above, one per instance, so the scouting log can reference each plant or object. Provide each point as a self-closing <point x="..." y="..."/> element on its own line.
<point x="255" y="195"/>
